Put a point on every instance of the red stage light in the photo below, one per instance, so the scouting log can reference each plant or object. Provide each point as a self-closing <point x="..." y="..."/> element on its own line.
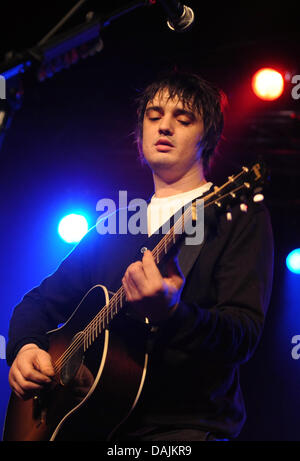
<point x="268" y="84"/>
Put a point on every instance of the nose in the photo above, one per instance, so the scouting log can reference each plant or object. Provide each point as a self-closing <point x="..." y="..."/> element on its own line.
<point x="165" y="126"/>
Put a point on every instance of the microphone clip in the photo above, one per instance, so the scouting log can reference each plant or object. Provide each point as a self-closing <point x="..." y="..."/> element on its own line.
<point x="184" y="22"/>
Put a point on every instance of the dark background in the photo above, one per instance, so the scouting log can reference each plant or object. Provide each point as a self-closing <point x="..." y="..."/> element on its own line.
<point x="71" y="143"/>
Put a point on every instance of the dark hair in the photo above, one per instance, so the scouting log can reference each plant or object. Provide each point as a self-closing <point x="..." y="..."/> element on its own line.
<point x="197" y="95"/>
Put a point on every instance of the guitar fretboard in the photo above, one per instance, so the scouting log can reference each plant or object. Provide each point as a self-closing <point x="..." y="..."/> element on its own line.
<point x="244" y="180"/>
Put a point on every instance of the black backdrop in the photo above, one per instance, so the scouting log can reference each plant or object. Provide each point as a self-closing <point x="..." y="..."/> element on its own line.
<point x="72" y="143"/>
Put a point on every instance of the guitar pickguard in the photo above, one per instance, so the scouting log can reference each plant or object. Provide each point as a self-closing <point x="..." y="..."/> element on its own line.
<point x="71" y="367"/>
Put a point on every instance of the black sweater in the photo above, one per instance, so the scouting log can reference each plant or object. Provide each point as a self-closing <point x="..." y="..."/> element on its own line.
<point x="193" y="374"/>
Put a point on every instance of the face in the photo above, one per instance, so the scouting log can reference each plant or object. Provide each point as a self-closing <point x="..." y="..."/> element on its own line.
<point x="171" y="136"/>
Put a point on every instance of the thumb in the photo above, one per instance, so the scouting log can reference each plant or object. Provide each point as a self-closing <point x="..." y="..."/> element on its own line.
<point x="43" y="363"/>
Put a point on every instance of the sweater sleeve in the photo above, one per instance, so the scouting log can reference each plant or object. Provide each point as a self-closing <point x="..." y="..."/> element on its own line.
<point x="52" y="302"/>
<point x="229" y="330"/>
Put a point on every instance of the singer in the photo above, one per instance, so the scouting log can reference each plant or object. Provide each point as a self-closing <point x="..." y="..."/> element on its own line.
<point x="204" y="319"/>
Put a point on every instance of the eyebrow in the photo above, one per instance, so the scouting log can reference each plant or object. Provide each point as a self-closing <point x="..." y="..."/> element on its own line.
<point x="176" y="111"/>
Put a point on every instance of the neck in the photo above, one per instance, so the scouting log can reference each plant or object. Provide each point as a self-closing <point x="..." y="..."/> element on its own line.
<point x="166" y="186"/>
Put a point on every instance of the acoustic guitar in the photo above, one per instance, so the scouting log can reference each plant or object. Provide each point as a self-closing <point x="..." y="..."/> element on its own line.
<point x="100" y="354"/>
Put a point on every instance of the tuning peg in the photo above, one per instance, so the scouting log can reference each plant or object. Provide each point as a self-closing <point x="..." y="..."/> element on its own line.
<point x="228" y="213"/>
<point x="243" y="204"/>
<point x="258" y="196"/>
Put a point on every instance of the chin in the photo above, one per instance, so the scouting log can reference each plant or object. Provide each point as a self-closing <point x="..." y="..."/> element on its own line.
<point x="161" y="161"/>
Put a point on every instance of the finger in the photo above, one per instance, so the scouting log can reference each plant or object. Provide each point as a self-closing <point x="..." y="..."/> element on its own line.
<point x="131" y="291"/>
<point x="43" y="365"/>
<point x="136" y="279"/>
<point x="151" y="270"/>
<point x="127" y="290"/>
<point x="30" y="372"/>
<point x="23" y="385"/>
<point x="16" y="388"/>
<point x="21" y="396"/>
<point x="18" y="391"/>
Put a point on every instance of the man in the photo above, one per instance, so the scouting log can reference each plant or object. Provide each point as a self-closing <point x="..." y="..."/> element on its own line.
<point x="205" y="325"/>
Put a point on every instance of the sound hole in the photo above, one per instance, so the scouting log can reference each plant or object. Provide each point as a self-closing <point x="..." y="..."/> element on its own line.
<point x="74" y="359"/>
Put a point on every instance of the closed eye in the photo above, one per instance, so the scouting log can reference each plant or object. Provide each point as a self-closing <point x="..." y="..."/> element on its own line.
<point x="184" y="122"/>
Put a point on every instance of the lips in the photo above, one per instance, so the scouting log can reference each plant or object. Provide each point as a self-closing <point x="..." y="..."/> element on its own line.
<point x="163" y="144"/>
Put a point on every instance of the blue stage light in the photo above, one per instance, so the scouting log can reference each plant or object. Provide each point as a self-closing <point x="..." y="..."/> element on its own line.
<point x="72" y="228"/>
<point x="293" y="261"/>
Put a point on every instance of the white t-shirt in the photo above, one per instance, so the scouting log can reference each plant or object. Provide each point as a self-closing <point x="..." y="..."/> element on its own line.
<point x="161" y="209"/>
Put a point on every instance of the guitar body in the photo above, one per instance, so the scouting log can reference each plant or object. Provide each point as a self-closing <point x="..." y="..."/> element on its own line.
<point x="100" y="372"/>
<point x="96" y="387"/>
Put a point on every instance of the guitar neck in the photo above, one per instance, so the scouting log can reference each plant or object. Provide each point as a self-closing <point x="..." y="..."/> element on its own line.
<point x="228" y="192"/>
<point x="118" y="300"/>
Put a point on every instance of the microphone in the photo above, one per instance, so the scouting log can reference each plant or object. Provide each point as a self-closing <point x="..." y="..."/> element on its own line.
<point x="180" y="17"/>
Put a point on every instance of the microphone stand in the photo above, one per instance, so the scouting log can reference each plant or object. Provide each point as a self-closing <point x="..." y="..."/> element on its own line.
<point x="52" y="54"/>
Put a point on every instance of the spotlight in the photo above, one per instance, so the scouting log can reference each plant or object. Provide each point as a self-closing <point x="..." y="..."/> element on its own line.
<point x="268" y="84"/>
<point x="72" y="228"/>
<point x="293" y="261"/>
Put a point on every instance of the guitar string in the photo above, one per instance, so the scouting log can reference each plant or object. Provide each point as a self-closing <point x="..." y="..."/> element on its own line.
<point x="89" y="332"/>
<point x="89" y="335"/>
<point x="93" y="328"/>
<point x="167" y="239"/>
<point x="170" y="236"/>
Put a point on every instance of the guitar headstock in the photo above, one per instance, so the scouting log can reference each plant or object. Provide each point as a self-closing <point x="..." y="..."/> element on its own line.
<point x="244" y="186"/>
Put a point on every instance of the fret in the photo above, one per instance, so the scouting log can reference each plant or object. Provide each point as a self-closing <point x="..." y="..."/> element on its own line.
<point x="229" y="190"/>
